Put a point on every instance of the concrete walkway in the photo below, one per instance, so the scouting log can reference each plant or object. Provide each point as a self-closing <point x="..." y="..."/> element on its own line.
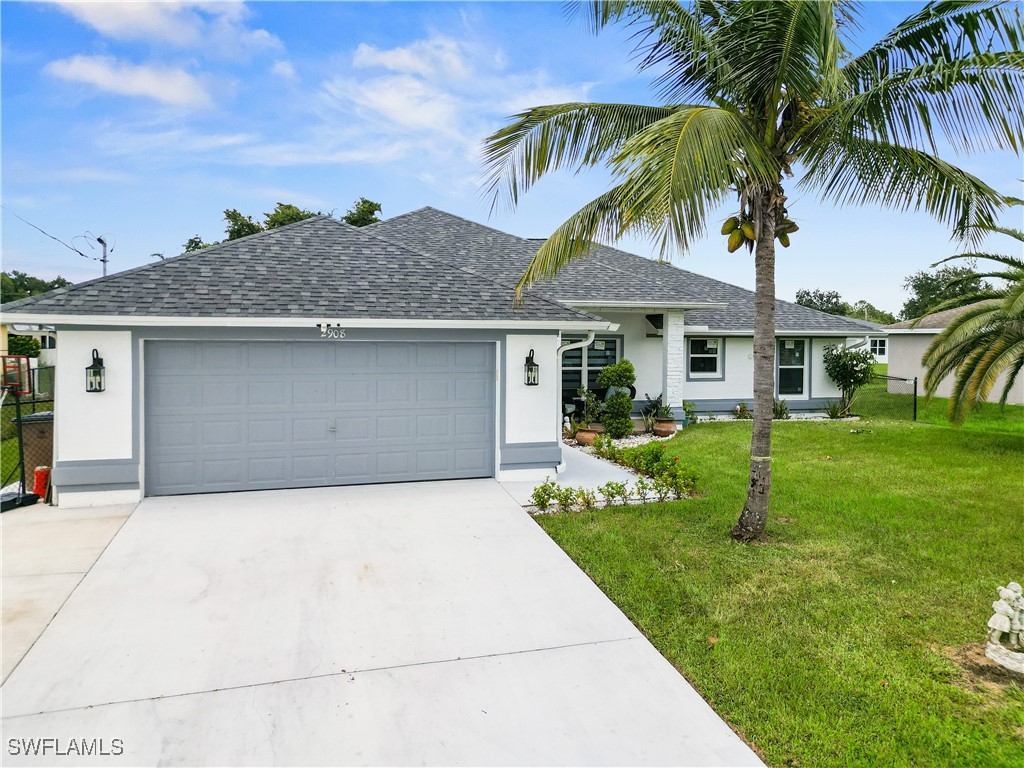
<point x="581" y="470"/>
<point x="45" y="553"/>
<point x="426" y="623"/>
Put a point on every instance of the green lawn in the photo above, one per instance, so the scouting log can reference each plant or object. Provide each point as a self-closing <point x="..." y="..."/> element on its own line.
<point x="832" y="643"/>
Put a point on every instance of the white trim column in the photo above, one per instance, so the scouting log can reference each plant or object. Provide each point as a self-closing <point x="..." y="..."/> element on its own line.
<point x="675" y="358"/>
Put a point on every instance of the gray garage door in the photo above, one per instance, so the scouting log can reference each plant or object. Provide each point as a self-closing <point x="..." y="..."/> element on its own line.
<point x="229" y="416"/>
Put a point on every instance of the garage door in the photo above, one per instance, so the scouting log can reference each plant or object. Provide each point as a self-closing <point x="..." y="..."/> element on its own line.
<point x="229" y="416"/>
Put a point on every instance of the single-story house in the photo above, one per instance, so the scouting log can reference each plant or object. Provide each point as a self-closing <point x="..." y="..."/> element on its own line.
<point x="324" y="354"/>
<point x="907" y="346"/>
<point x="875" y="341"/>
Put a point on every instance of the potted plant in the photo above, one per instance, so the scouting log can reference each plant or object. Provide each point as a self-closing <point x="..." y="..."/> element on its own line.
<point x="664" y="421"/>
<point x="589" y="412"/>
<point x="618" y="379"/>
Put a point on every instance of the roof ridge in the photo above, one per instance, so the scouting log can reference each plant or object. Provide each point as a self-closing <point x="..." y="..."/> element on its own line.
<point x="399" y="216"/>
<point x="160" y="263"/>
<point x="478" y="275"/>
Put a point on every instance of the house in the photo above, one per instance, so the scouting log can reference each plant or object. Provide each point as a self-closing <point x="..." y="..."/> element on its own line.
<point x="322" y="354"/>
<point x="45" y="335"/>
<point x="907" y="346"/>
<point x="876" y="342"/>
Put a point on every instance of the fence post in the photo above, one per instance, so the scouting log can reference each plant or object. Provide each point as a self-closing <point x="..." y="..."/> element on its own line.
<point x="915" y="398"/>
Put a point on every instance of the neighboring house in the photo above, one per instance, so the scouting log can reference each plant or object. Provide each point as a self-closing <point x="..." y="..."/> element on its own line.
<point x="907" y="346"/>
<point x="322" y="354"/>
<point x="46" y="336"/>
<point x="876" y="341"/>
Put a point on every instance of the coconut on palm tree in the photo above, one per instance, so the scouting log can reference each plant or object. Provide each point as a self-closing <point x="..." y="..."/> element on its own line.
<point x="983" y="346"/>
<point x="755" y="92"/>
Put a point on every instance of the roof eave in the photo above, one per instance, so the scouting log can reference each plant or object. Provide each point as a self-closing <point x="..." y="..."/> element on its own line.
<point x="175" y="321"/>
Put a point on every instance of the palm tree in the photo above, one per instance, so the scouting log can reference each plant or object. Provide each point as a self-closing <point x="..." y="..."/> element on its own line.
<point x="751" y="90"/>
<point x="983" y="342"/>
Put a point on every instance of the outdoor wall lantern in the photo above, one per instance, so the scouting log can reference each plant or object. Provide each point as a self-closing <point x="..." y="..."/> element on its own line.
<point x="94" y="374"/>
<point x="532" y="371"/>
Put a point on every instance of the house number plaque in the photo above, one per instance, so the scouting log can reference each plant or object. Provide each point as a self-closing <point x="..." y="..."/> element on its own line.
<point x="331" y="331"/>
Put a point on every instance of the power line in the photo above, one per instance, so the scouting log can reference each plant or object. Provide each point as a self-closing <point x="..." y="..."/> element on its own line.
<point x="69" y="247"/>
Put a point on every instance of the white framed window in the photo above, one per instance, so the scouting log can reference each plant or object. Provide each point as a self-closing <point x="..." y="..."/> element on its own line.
<point x="792" y="367"/>
<point x="704" y="358"/>
<point x="581" y="366"/>
<point x="878" y="347"/>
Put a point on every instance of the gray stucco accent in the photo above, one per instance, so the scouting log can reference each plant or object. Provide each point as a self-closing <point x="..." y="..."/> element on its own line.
<point x="721" y="357"/>
<point x="89" y="473"/>
<point x="519" y="454"/>
<point x="94" y="488"/>
<point x="726" y="404"/>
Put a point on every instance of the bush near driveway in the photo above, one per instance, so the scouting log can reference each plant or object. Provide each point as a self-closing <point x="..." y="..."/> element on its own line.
<point x="833" y="643"/>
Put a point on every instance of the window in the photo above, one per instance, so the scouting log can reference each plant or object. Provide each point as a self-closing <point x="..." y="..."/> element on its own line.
<point x="878" y="347"/>
<point x="583" y="364"/>
<point x="705" y="358"/>
<point x="792" y="366"/>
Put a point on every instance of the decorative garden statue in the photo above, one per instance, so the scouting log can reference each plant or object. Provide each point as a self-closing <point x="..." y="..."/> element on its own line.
<point x="1007" y="622"/>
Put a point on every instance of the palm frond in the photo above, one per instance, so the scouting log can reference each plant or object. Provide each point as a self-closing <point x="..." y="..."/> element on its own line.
<point x="599" y="220"/>
<point x="544" y="139"/>
<point x="861" y="171"/>
<point x="966" y="27"/>
<point x="676" y="170"/>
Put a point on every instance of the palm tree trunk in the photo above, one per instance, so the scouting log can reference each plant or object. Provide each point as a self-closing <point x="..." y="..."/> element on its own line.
<point x="755" y="512"/>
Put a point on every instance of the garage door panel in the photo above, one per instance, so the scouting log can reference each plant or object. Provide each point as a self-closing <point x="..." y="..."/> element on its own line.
<point x="305" y="414"/>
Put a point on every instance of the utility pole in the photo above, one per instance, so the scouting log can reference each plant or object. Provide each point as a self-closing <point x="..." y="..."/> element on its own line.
<point x="103" y="260"/>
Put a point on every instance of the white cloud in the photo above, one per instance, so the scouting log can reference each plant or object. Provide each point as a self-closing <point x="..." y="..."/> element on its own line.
<point x="218" y="27"/>
<point x="436" y="56"/>
<point x="174" y="143"/>
<point x="538" y="95"/>
<point x="285" y="70"/>
<point x="167" y="85"/>
<point x="403" y="101"/>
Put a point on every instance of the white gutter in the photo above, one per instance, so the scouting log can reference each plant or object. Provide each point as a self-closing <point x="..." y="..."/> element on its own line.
<point x="576" y="345"/>
<point x="300" y="322"/>
<point x="652" y="305"/>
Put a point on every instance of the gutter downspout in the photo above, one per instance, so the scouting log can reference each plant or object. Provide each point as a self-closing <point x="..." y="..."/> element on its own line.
<point x="572" y="345"/>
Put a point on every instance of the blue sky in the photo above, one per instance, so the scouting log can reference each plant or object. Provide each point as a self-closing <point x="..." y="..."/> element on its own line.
<point x="147" y="120"/>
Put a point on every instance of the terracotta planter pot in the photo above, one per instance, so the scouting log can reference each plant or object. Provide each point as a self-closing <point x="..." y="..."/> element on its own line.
<point x="665" y="428"/>
<point x="586" y="436"/>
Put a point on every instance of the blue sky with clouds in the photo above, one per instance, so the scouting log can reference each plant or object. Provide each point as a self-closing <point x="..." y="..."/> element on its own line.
<point x="147" y="120"/>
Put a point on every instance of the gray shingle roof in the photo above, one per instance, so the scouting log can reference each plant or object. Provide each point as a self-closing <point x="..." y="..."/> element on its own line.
<point x="935" y="321"/>
<point x="608" y="274"/>
<point x="319" y="267"/>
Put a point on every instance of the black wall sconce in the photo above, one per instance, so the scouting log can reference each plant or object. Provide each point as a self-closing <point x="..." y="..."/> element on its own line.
<point x="532" y="371"/>
<point x="95" y="375"/>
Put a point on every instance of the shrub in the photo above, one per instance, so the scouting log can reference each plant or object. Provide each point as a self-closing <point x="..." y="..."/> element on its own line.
<point x="617" y="408"/>
<point x="590" y="410"/>
<point x="662" y="488"/>
<point x="586" y="498"/>
<point x="780" y="410"/>
<point x="834" y="409"/>
<point x="741" y="411"/>
<point x="620" y="374"/>
<point x="28" y="346"/>
<point x="849" y="370"/>
<point x="566" y="496"/>
<point x="642" y="489"/>
<point x="611" y="491"/>
<point x="544" y="494"/>
<point x="691" y="411"/>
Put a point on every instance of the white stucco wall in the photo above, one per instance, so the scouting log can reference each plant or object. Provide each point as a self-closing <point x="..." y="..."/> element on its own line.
<point x="645" y="353"/>
<point x="821" y="384"/>
<point x="532" y="413"/>
<point x="98" y="425"/>
<point x="739" y="372"/>
<point x="905" y="352"/>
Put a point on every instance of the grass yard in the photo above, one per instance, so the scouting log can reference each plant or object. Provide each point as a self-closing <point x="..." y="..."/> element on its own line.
<point x="835" y="642"/>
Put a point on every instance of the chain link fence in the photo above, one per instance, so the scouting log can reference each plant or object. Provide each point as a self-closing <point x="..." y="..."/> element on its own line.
<point x="26" y="430"/>
<point x="887" y="397"/>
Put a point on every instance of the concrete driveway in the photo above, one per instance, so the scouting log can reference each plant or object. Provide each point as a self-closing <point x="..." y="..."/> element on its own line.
<point x="426" y="623"/>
